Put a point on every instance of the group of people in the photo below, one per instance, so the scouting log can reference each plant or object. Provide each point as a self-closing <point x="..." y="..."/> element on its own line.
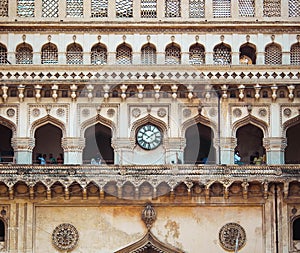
<point x="97" y="160"/>
<point x="255" y="159"/>
<point x="43" y="159"/>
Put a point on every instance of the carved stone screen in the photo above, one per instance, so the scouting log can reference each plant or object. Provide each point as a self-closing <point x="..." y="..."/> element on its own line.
<point x="4" y="8"/>
<point x="148" y="8"/>
<point x="124" y="8"/>
<point x="272" y="8"/>
<point x="221" y="8"/>
<point x="25" y="8"/>
<point x="294" y="8"/>
<point x="172" y="8"/>
<point x="99" y="8"/>
<point x="246" y="8"/>
<point x="50" y="8"/>
<point x="74" y="8"/>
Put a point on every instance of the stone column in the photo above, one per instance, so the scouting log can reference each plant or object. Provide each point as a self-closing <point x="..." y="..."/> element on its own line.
<point x="275" y="147"/>
<point x="73" y="148"/>
<point x="23" y="147"/>
<point x="227" y="146"/>
<point x="174" y="150"/>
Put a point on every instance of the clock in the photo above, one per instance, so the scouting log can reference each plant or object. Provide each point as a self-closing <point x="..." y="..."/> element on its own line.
<point x="149" y="137"/>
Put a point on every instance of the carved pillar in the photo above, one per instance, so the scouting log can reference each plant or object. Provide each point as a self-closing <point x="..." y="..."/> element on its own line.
<point x="227" y="146"/>
<point x="174" y="150"/>
<point x="23" y="147"/>
<point x="275" y="147"/>
<point x="123" y="148"/>
<point x="73" y="147"/>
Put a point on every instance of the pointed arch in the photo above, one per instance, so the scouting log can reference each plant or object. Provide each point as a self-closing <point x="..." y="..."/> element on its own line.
<point x="3" y="54"/>
<point x="9" y="124"/>
<point x="124" y="54"/>
<point x="148" y="119"/>
<point x="98" y="119"/>
<point x="24" y="54"/>
<point x="99" y="54"/>
<point x="148" y="54"/>
<point x="49" y="54"/>
<point x="290" y="123"/>
<point x="295" y="54"/>
<point x="197" y="54"/>
<point x="149" y="241"/>
<point x="74" y="54"/>
<point x="222" y="54"/>
<point x="198" y="119"/>
<point x="248" y="53"/>
<point x="45" y="120"/>
<point x="250" y="119"/>
<point x="173" y="54"/>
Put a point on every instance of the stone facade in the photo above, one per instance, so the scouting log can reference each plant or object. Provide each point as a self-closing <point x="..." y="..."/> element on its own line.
<point x="143" y="105"/>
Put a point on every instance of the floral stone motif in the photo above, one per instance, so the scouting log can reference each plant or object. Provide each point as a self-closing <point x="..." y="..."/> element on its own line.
<point x="65" y="237"/>
<point x="10" y="112"/>
<point x="161" y="112"/>
<point x="229" y="234"/>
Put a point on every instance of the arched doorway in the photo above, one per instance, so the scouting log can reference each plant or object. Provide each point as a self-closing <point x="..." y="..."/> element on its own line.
<point x="199" y="145"/>
<point x="249" y="141"/>
<point x="98" y="144"/>
<point x="6" y="150"/>
<point x="292" y="151"/>
<point x="47" y="142"/>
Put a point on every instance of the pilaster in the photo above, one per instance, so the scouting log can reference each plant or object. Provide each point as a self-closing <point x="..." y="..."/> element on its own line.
<point x="174" y="150"/>
<point x="275" y="147"/>
<point x="73" y="148"/>
<point x="23" y="147"/>
<point x="227" y="146"/>
<point x="123" y="148"/>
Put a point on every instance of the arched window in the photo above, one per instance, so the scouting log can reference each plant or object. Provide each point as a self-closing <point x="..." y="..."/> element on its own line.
<point x="25" y="8"/>
<point x="99" y="9"/>
<point x="2" y="231"/>
<point x="24" y="54"/>
<point x="3" y="54"/>
<point x="74" y="54"/>
<point x="4" y="8"/>
<point x="172" y="54"/>
<point x="246" y="8"/>
<point x="49" y="54"/>
<point x="148" y="9"/>
<point x="172" y="8"/>
<point x="50" y="8"/>
<point x="197" y="8"/>
<point x="273" y="54"/>
<point x="222" y="54"/>
<point x="124" y="54"/>
<point x="99" y="54"/>
<point x="295" y="54"/>
<point x="148" y="54"/>
<point x="248" y="54"/>
<point x="272" y="8"/>
<point x="294" y="8"/>
<point x="74" y="8"/>
<point x="221" y="8"/>
<point x="197" y="54"/>
<point x="296" y="229"/>
<point x="124" y="8"/>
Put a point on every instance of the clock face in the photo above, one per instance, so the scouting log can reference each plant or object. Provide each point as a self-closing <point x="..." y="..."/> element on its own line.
<point x="149" y="137"/>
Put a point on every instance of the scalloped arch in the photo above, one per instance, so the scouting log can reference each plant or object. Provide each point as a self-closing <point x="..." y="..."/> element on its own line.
<point x="7" y="123"/>
<point x="98" y="119"/>
<point x="198" y="119"/>
<point x="45" y="120"/>
<point x="148" y="119"/>
<point x="250" y="119"/>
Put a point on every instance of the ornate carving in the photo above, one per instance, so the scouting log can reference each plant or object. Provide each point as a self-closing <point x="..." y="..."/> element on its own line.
<point x="262" y="112"/>
<point x="237" y="112"/>
<point x="287" y="112"/>
<point x="187" y="113"/>
<point x="162" y="112"/>
<point x="65" y="237"/>
<point x="85" y="112"/>
<point x="136" y="112"/>
<point x="229" y="234"/>
<point x="149" y="215"/>
<point x="60" y="112"/>
<point x="212" y="112"/>
<point x="111" y="112"/>
<point x="35" y="112"/>
<point x="10" y="112"/>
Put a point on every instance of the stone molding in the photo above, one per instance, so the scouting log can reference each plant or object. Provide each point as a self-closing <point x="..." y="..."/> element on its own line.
<point x="23" y="143"/>
<point x="73" y="144"/>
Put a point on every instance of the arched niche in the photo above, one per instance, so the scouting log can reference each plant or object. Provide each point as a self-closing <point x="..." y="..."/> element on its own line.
<point x="7" y="130"/>
<point x="292" y="132"/>
<point x="199" y="133"/>
<point x="249" y="142"/>
<point x="248" y="53"/>
<point x="98" y="138"/>
<point x="48" y="134"/>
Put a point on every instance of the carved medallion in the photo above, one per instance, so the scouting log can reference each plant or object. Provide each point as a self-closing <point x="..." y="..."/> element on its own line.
<point x="85" y="112"/>
<point x="148" y="215"/>
<point x="162" y="112"/>
<point x="36" y="112"/>
<point x="10" y="112"/>
<point x="136" y="112"/>
<point x="262" y="112"/>
<point x="187" y="113"/>
<point x="230" y="234"/>
<point x="65" y="237"/>
<point x="60" y="112"/>
<point x="287" y="112"/>
<point x="111" y="112"/>
<point x="237" y="112"/>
